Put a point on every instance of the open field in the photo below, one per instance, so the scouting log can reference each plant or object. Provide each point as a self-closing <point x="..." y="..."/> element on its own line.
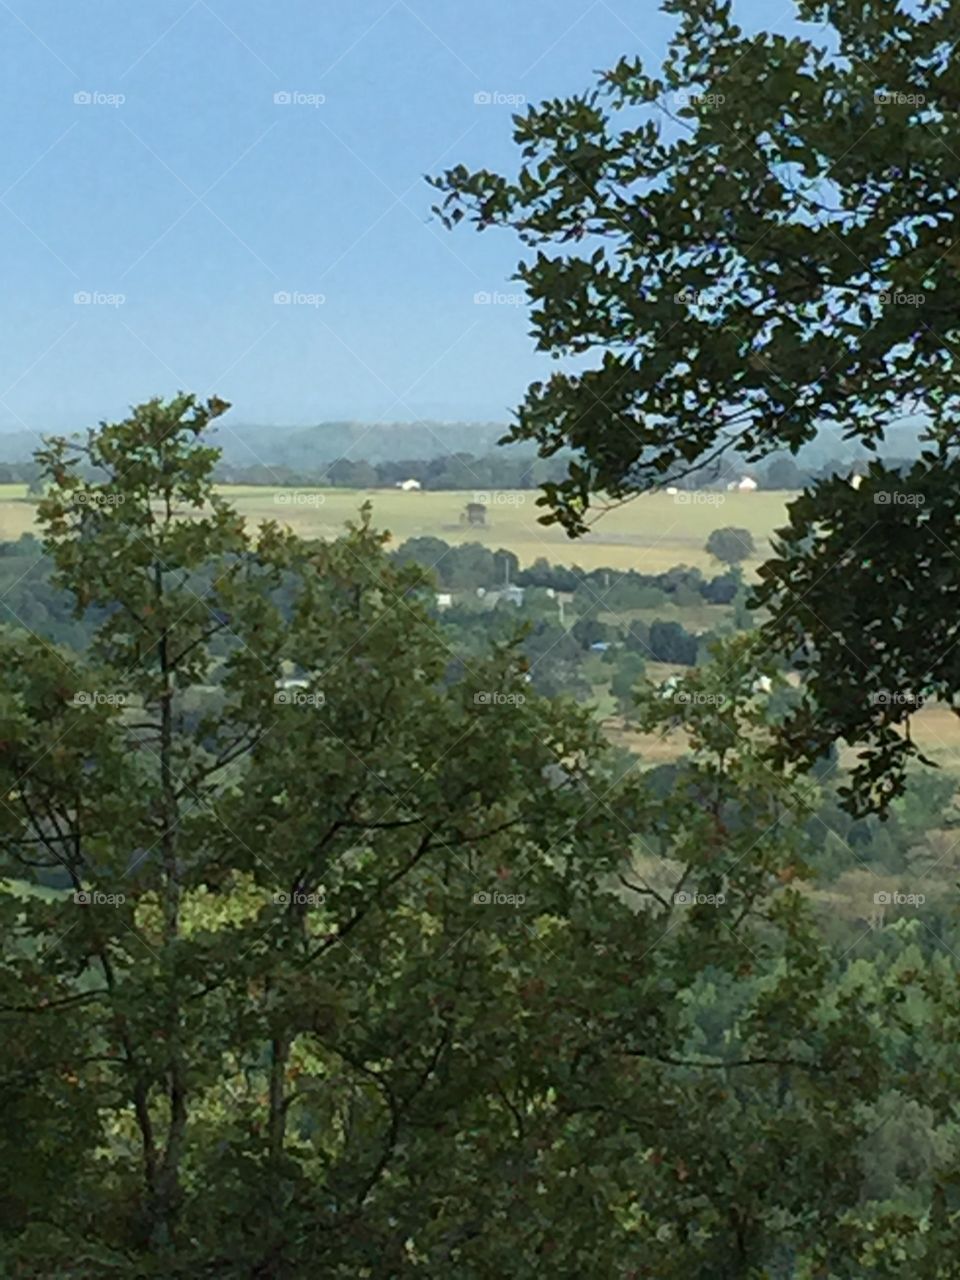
<point x="935" y="729"/>
<point x="651" y="534"/>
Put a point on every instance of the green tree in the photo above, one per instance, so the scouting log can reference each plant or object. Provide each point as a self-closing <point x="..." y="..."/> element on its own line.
<point x="356" y="963"/>
<point x="730" y="545"/>
<point x="736" y="266"/>
<point x="623" y="683"/>
<point x="271" y="975"/>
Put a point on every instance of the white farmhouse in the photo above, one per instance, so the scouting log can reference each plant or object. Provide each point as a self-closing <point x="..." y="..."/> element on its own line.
<point x="747" y="485"/>
<point x="408" y="486"/>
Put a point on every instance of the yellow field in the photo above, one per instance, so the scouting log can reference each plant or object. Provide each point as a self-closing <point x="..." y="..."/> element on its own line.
<point x="935" y="729"/>
<point x="651" y="534"/>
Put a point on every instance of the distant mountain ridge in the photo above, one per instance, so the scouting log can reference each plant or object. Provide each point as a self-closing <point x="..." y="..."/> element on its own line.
<point x="306" y="448"/>
<point x="245" y="444"/>
<point x="303" y="447"/>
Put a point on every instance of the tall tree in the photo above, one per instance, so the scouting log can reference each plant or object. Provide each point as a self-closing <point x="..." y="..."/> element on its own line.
<point x="355" y="964"/>
<point x="724" y="243"/>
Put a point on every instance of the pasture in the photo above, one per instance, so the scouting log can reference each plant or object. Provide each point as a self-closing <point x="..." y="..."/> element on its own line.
<point x="651" y="534"/>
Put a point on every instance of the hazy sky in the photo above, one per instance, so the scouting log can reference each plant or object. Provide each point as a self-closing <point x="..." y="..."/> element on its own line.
<point x="182" y="186"/>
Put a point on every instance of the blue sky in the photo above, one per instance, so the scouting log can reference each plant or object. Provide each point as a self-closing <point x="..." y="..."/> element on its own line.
<point x="196" y="198"/>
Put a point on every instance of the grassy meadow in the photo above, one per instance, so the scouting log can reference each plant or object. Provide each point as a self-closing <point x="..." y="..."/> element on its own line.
<point x="651" y="534"/>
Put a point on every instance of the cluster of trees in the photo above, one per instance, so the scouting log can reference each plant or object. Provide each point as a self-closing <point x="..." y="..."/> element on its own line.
<point x="504" y="470"/>
<point x="470" y="565"/>
<point x="348" y="971"/>
<point x="33" y="599"/>
<point x="394" y="971"/>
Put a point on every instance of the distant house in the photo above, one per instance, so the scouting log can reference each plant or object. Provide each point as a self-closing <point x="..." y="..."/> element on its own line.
<point x="444" y="599"/>
<point x="600" y="646"/>
<point x="747" y="485"/>
<point x="512" y="595"/>
<point x="672" y="490"/>
<point x="409" y="486"/>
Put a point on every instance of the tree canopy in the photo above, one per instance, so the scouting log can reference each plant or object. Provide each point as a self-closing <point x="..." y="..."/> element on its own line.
<point x="320" y="961"/>
<point x="737" y="249"/>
